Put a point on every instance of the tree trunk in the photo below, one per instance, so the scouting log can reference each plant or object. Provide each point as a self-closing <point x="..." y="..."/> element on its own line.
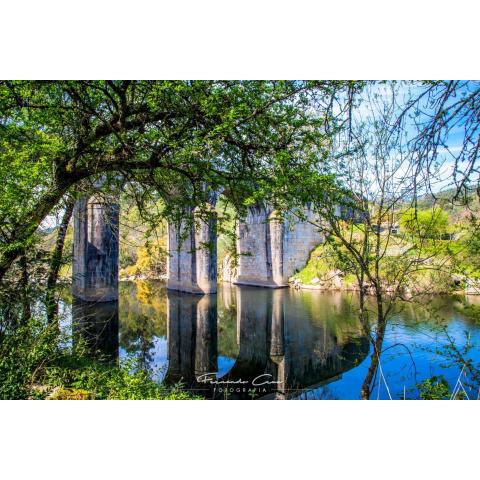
<point x="56" y="261"/>
<point x="23" y="230"/>
<point x="26" y="311"/>
<point x="377" y="350"/>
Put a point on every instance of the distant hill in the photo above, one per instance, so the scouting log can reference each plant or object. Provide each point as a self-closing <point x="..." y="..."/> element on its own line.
<point x="458" y="208"/>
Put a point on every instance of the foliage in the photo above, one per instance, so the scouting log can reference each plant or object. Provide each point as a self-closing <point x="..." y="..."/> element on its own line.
<point x="434" y="388"/>
<point x="431" y="223"/>
<point x="319" y="268"/>
<point x="33" y="365"/>
<point x="24" y="352"/>
<point x="170" y="140"/>
<point x="127" y="381"/>
<point x="471" y="311"/>
<point x="151" y="261"/>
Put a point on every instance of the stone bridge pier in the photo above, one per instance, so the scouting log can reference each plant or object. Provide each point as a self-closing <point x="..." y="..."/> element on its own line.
<point x="95" y="250"/>
<point x="270" y="249"/>
<point x="192" y="254"/>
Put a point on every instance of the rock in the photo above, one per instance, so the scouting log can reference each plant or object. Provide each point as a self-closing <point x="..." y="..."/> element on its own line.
<point x="61" y="393"/>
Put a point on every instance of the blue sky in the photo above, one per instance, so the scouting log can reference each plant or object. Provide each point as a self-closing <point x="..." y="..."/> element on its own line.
<point x="379" y="94"/>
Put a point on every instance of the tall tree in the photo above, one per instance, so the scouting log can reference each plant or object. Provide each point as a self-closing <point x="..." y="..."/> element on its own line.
<point x="359" y="193"/>
<point x="221" y="133"/>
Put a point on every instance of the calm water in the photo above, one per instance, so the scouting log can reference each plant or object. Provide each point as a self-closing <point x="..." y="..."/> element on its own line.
<point x="250" y="342"/>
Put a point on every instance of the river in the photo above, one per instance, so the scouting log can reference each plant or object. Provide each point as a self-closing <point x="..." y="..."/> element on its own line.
<point x="248" y="342"/>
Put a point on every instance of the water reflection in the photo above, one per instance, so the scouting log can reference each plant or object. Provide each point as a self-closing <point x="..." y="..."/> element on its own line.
<point x="277" y="343"/>
<point x="191" y="337"/>
<point x="96" y="326"/>
<point x="282" y="350"/>
<point x="143" y="317"/>
<point x="273" y="357"/>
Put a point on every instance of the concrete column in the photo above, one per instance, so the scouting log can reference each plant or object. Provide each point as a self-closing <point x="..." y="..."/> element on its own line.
<point x="277" y="237"/>
<point x="95" y="250"/>
<point x="271" y="249"/>
<point x="260" y="249"/>
<point x="253" y="248"/>
<point x="192" y="253"/>
<point x="206" y="251"/>
<point x="181" y="274"/>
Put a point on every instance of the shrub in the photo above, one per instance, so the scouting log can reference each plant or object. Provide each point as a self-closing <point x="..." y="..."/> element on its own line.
<point x="434" y="388"/>
<point x="24" y="352"/>
<point x="32" y="365"/>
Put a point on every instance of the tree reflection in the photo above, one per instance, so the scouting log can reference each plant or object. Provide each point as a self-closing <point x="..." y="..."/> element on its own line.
<point x="143" y="315"/>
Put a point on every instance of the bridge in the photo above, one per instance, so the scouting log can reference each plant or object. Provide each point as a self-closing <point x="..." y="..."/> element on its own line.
<point x="269" y="250"/>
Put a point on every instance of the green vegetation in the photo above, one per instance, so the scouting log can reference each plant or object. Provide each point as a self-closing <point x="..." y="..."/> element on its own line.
<point x="32" y="365"/>
<point x="318" y="266"/>
<point x="434" y="388"/>
<point x="431" y="223"/>
<point x="446" y="263"/>
<point x="127" y="381"/>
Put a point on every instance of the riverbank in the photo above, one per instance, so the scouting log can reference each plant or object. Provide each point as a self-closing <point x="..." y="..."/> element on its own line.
<point x="339" y="286"/>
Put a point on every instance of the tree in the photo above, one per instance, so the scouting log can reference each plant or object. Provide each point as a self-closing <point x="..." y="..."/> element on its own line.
<point x="431" y="223"/>
<point x="54" y="135"/>
<point x="445" y="118"/>
<point x="56" y="260"/>
<point x="372" y="174"/>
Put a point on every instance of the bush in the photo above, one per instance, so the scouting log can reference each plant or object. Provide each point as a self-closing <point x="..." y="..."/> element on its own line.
<point x="32" y="365"/>
<point x="24" y="351"/>
<point x="434" y="388"/>
<point x="127" y="381"/>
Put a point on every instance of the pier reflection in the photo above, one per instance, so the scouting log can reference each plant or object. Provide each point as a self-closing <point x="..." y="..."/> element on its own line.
<point x="95" y="324"/>
<point x="280" y="352"/>
<point x="192" y="339"/>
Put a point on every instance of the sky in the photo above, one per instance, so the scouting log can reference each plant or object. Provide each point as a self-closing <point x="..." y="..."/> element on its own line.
<point x="379" y="94"/>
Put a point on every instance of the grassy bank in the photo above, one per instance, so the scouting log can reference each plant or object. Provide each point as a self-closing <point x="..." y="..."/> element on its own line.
<point x="446" y="270"/>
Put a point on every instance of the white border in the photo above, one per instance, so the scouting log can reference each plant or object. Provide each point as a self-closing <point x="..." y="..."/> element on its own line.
<point x="239" y="440"/>
<point x="247" y="39"/>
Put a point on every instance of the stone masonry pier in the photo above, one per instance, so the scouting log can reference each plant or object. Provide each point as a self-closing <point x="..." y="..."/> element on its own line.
<point x="271" y="250"/>
<point x="95" y="250"/>
<point x="192" y="254"/>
